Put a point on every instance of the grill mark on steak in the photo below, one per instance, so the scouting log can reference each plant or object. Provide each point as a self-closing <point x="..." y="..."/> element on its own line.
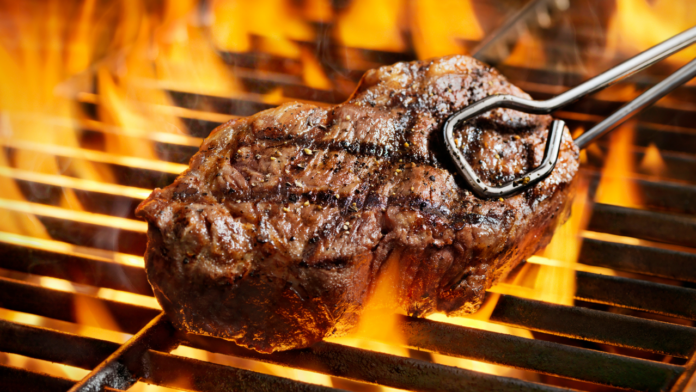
<point x="277" y="233"/>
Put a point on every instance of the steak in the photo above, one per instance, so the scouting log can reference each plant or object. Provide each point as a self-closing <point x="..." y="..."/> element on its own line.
<point x="277" y="233"/>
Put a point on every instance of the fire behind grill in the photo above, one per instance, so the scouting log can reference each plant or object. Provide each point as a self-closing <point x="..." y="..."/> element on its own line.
<point x="629" y="329"/>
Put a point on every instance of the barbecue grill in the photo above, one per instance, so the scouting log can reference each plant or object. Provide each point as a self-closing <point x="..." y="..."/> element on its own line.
<point x="65" y="259"/>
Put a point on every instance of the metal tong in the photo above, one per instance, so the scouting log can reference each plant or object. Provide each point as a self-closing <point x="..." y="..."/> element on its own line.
<point x="555" y="137"/>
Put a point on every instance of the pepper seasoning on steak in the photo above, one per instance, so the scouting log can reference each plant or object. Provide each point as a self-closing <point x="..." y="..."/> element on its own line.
<point x="282" y="225"/>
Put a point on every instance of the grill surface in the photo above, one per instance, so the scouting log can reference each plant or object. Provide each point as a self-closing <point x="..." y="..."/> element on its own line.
<point x="630" y="331"/>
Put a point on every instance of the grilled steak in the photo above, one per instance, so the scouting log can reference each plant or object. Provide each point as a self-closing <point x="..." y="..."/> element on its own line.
<point x="276" y="234"/>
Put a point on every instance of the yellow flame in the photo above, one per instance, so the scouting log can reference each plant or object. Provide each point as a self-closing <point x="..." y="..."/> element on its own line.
<point x="652" y="161"/>
<point x="439" y="26"/>
<point x="34" y="59"/>
<point x="274" y="97"/>
<point x="317" y="10"/>
<point x="640" y="24"/>
<point x="372" y="24"/>
<point x="618" y="92"/>
<point x="615" y="187"/>
<point x="378" y="328"/>
<point x="312" y="73"/>
<point x="271" y="26"/>
<point x="380" y="321"/>
<point x="550" y="276"/>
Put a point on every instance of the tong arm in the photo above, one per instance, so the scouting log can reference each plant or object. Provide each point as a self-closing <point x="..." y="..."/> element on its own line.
<point x="554" y="140"/>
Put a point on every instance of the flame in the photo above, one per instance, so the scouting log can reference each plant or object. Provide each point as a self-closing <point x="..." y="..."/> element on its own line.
<point x="275" y="25"/>
<point x="439" y="26"/>
<point x="556" y="284"/>
<point x="376" y="323"/>
<point x="317" y="10"/>
<point x="549" y="277"/>
<point x="312" y="72"/>
<point x="652" y="161"/>
<point x="528" y="52"/>
<point x="379" y="326"/>
<point x="372" y="24"/>
<point x="274" y="97"/>
<point x="640" y="24"/>
<point x="615" y="186"/>
<point x="32" y="63"/>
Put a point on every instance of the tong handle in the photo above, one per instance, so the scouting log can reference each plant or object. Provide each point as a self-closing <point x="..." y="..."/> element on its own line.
<point x="683" y="75"/>
<point x="629" y="67"/>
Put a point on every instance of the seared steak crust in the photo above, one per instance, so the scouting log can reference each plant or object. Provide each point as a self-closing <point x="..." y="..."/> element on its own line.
<point x="276" y="234"/>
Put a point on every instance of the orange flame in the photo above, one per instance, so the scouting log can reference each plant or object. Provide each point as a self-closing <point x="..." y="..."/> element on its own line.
<point x="275" y="25"/>
<point x="439" y="26"/>
<point x="652" y="161"/>
<point x="372" y="24"/>
<point x="658" y="21"/>
<point x="615" y="186"/>
<point x="378" y="328"/>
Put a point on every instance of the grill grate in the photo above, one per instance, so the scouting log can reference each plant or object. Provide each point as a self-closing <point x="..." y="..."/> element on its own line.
<point x="633" y="331"/>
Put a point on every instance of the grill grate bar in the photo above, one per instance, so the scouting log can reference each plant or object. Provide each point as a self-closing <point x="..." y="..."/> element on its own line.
<point x="648" y="225"/>
<point x="161" y="368"/>
<point x="384" y="369"/>
<point x="656" y="194"/>
<point x="341" y="361"/>
<point x="14" y="379"/>
<point x="191" y="374"/>
<point x="664" y="263"/>
<point x="54" y="346"/>
<point x="668" y="196"/>
<point x="636" y="294"/>
<point x="139" y="175"/>
<point x="630" y="293"/>
<point x="596" y="326"/>
<point x="348" y="362"/>
<point x="679" y="167"/>
<point x="687" y="381"/>
<point x="246" y="106"/>
<point x="30" y="298"/>
<point x="540" y="356"/>
<point x="74" y="268"/>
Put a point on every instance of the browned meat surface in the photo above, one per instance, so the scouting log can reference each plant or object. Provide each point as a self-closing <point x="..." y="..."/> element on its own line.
<point x="276" y="234"/>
